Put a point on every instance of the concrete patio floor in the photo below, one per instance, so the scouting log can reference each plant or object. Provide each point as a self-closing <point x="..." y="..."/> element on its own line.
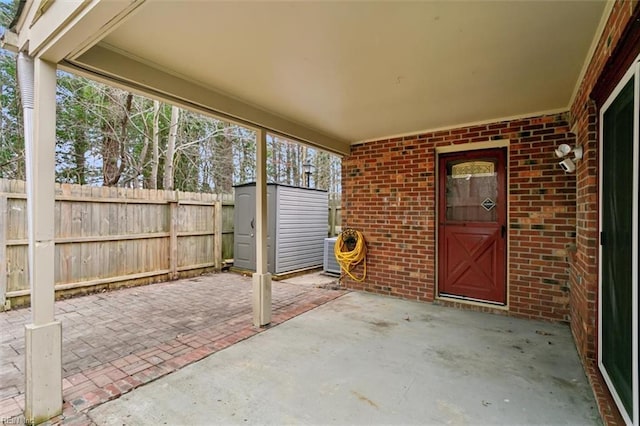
<point x="366" y="359"/>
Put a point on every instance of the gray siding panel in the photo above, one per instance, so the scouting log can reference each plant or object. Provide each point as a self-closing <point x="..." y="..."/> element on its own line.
<point x="272" y="211"/>
<point x="301" y="228"/>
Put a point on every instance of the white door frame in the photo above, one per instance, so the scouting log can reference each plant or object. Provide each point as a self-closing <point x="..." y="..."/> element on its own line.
<point x="632" y="73"/>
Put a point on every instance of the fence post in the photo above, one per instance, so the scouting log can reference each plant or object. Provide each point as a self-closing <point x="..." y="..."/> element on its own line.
<point x="173" y="238"/>
<point x="3" y="250"/>
<point x="217" y="233"/>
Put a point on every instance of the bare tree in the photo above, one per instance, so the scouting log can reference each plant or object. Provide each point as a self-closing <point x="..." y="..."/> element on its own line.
<point x="155" y="141"/>
<point x="171" y="148"/>
<point x="110" y="137"/>
<point x="224" y="160"/>
<point x="114" y="137"/>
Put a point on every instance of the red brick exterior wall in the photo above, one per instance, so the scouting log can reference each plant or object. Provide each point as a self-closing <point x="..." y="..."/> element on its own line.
<point x="584" y="271"/>
<point x="389" y="193"/>
<point x="584" y="277"/>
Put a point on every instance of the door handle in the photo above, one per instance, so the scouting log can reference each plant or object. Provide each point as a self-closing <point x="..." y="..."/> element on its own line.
<point x="503" y="231"/>
<point x="252" y="223"/>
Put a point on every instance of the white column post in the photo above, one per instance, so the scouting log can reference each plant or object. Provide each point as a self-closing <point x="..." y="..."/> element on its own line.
<point x="4" y="227"/>
<point x="43" y="395"/>
<point x="262" y="278"/>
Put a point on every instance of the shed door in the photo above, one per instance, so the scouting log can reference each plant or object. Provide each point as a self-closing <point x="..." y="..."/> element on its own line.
<point x="618" y="240"/>
<point x="245" y="244"/>
<point x="472" y="225"/>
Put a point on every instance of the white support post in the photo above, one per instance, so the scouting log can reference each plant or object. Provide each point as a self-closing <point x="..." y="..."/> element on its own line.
<point x="262" y="278"/>
<point x="4" y="202"/>
<point x="43" y="363"/>
<point x="173" y="238"/>
<point x="217" y="234"/>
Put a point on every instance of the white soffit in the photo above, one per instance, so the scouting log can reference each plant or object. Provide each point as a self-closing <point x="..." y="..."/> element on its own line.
<point x="363" y="70"/>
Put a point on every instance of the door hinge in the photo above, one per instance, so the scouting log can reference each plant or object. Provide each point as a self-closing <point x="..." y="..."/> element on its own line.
<point x="602" y="239"/>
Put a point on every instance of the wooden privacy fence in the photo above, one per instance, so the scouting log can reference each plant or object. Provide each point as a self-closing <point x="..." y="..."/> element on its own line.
<point x="116" y="235"/>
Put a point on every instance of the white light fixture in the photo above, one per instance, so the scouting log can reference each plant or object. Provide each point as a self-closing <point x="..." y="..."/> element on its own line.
<point x="563" y="150"/>
<point x="308" y="168"/>
<point x="568" y="164"/>
<point x="577" y="153"/>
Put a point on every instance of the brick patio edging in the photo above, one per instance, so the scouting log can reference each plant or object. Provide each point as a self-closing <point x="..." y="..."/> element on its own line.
<point x="92" y="387"/>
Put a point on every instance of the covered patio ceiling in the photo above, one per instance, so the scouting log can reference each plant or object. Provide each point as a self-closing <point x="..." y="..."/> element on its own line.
<point x="327" y="73"/>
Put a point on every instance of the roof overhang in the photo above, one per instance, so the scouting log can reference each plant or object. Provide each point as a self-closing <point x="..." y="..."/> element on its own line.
<point x="326" y="73"/>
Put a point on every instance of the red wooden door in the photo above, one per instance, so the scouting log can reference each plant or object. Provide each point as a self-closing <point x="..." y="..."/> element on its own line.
<point x="472" y="228"/>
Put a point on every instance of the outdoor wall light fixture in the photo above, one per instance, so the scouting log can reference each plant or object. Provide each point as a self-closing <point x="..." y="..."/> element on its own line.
<point x="567" y="164"/>
<point x="307" y="167"/>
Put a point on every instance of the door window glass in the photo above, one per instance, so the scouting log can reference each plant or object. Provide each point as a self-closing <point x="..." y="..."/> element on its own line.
<point x="472" y="191"/>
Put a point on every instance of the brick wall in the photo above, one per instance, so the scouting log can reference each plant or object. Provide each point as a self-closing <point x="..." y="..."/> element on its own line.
<point x="584" y="272"/>
<point x="389" y="193"/>
<point x="584" y="277"/>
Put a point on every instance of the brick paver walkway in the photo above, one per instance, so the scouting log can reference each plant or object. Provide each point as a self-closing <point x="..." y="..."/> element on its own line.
<point x="114" y="342"/>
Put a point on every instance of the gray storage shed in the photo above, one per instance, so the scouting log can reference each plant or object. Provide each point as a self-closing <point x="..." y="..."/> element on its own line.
<point x="296" y="227"/>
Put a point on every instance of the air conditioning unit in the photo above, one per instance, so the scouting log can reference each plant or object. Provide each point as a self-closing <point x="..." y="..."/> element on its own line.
<point x="330" y="264"/>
